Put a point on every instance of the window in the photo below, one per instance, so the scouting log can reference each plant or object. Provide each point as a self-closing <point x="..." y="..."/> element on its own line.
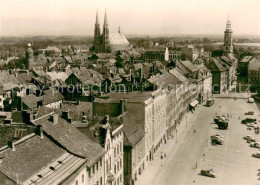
<point x="97" y="183"/>
<point x="120" y="163"/>
<point x="93" y="169"/>
<point x="121" y="178"/>
<point x="115" y="168"/>
<point x="114" y="152"/>
<point x="100" y="180"/>
<point x="117" y="165"/>
<point x="82" y="177"/>
<point x="117" y="149"/>
<point x="100" y="162"/>
<point x="89" y="173"/>
<point x="76" y="183"/>
<point x="107" y="166"/>
<point x="110" y="166"/>
<point x="97" y="166"/>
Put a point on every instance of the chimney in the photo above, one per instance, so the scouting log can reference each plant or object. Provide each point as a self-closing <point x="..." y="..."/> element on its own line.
<point x="65" y="115"/>
<point x="55" y="118"/>
<point x="130" y="72"/>
<point x="11" y="145"/>
<point x="122" y="106"/>
<point x="39" y="131"/>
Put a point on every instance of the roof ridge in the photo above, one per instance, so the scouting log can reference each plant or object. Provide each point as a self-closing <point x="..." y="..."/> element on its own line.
<point x="42" y="117"/>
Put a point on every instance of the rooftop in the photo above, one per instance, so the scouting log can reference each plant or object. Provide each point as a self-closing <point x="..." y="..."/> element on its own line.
<point x="254" y="65"/>
<point x="70" y="138"/>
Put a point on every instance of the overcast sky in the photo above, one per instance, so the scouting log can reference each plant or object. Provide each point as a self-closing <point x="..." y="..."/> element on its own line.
<point x="146" y="17"/>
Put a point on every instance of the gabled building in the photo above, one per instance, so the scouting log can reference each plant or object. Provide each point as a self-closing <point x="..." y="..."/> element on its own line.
<point x="220" y="75"/>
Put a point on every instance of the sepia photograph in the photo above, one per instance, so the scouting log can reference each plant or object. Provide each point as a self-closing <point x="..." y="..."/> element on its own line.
<point x="129" y="92"/>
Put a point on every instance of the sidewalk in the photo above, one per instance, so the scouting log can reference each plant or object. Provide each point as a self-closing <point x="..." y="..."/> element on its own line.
<point x="153" y="168"/>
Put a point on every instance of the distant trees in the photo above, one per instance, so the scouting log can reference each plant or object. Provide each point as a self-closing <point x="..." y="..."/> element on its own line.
<point x="20" y="63"/>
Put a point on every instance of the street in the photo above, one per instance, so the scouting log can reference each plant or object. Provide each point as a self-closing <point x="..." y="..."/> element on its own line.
<point x="231" y="162"/>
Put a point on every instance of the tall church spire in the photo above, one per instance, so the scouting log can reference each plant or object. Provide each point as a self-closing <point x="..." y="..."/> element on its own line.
<point x="105" y="36"/>
<point x="228" y="45"/>
<point x="105" y="19"/>
<point x="97" y="21"/>
<point x="97" y="35"/>
<point x="228" y="24"/>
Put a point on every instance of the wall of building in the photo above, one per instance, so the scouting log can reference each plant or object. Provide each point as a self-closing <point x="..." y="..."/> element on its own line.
<point x="138" y="159"/>
<point x="56" y="104"/>
<point x="117" y="145"/>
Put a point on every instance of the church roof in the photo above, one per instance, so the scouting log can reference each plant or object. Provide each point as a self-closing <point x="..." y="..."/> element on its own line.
<point x="117" y="38"/>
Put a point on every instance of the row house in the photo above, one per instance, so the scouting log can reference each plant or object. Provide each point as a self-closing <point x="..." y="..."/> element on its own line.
<point x="148" y="110"/>
<point x="254" y="72"/>
<point x="167" y="83"/>
<point x="106" y="131"/>
<point x="190" y="52"/>
<point x="160" y="54"/>
<point x="57" y="153"/>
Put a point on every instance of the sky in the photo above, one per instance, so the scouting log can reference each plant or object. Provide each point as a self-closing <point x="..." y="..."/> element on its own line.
<point x="144" y="17"/>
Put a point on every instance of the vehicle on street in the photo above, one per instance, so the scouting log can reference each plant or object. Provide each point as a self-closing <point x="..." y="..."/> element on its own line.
<point x="248" y="120"/>
<point x="257" y="155"/>
<point x="218" y="136"/>
<point x="209" y="102"/>
<point x="223" y="124"/>
<point x="220" y="117"/>
<point x="251" y="125"/>
<point x="251" y="100"/>
<point x="208" y="173"/>
<point x="216" y="141"/>
<point x="250" y="113"/>
<point x="249" y="138"/>
<point x="255" y="145"/>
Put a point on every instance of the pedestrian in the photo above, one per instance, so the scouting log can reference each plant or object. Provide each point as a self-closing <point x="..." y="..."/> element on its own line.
<point x="194" y="130"/>
<point x="196" y="165"/>
<point x="164" y="155"/>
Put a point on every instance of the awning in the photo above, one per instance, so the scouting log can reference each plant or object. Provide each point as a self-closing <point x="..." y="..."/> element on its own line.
<point x="194" y="103"/>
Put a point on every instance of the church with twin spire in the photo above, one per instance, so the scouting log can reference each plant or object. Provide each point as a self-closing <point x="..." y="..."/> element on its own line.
<point x="108" y="42"/>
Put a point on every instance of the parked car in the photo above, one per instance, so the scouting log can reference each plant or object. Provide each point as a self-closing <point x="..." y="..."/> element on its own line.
<point x="208" y="173"/>
<point x="257" y="154"/>
<point x="209" y="102"/>
<point x="222" y="124"/>
<point x="248" y="120"/>
<point x="218" y="136"/>
<point x="255" y="145"/>
<point x="249" y="138"/>
<point x="250" y="113"/>
<point x="216" y="141"/>
<point x="251" y="100"/>
<point x="251" y="125"/>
